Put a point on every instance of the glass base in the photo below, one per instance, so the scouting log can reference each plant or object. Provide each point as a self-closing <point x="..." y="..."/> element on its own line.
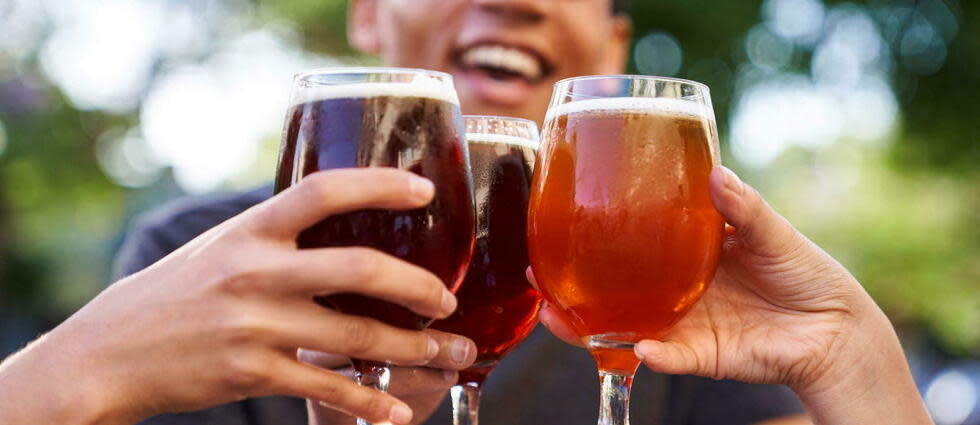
<point x="613" y="356"/>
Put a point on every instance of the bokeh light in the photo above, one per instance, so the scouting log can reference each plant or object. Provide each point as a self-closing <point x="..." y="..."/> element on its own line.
<point x="206" y="120"/>
<point x="102" y="52"/>
<point x="659" y="54"/>
<point x="922" y="48"/>
<point x="846" y="95"/>
<point x="127" y="159"/>
<point x="951" y="398"/>
<point x="767" y="50"/>
<point x="798" y="20"/>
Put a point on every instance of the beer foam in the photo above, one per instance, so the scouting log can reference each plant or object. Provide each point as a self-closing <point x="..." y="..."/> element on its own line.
<point x="642" y="105"/>
<point x="502" y="139"/>
<point x="419" y="88"/>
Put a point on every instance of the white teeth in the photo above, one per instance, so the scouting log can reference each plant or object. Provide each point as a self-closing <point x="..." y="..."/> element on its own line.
<point x="506" y="58"/>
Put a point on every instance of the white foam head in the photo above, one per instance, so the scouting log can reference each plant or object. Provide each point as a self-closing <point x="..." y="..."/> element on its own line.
<point x="643" y="105"/>
<point x="422" y="87"/>
<point x="501" y="138"/>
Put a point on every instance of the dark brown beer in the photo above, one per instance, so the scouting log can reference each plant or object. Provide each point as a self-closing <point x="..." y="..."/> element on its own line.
<point x="497" y="306"/>
<point x="623" y="235"/>
<point x="379" y="125"/>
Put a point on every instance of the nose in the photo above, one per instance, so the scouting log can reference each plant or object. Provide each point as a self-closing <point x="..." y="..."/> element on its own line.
<point x="518" y="11"/>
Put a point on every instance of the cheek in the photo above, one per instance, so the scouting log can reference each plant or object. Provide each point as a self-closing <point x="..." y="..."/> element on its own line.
<point x="410" y="39"/>
<point x="582" y="51"/>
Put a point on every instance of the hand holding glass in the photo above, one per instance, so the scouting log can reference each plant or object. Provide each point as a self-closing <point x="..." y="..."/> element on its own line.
<point x="622" y="234"/>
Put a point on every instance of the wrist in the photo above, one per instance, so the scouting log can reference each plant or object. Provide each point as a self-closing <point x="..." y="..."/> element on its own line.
<point x="866" y="380"/>
<point x="40" y="386"/>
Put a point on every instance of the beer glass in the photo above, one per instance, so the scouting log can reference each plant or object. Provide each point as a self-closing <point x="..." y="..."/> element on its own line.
<point x="498" y="308"/>
<point x="622" y="234"/>
<point x="384" y="117"/>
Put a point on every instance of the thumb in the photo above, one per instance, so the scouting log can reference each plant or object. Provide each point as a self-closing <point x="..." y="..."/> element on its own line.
<point x="672" y="358"/>
<point x="759" y="228"/>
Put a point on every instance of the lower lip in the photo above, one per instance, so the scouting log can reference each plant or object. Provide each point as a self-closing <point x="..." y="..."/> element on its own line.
<point x="509" y="93"/>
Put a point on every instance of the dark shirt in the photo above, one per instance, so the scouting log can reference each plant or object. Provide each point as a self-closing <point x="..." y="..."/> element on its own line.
<point x="543" y="382"/>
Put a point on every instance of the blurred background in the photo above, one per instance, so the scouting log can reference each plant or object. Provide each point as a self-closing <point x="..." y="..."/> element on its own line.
<point x="860" y="121"/>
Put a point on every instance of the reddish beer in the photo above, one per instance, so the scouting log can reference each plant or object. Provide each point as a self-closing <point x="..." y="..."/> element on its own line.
<point x="408" y="126"/>
<point x="623" y="235"/>
<point x="497" y="306"/>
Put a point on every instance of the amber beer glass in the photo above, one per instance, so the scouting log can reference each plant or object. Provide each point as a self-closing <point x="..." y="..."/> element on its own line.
<point x="623" y="236"/>
<point x="384" y="117"/>
<point x="498" y="308"/>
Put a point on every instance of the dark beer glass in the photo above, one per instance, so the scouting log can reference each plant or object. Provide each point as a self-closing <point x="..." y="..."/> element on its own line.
<point x="623" y="236"/>
<point x="498" y="308"/>
<point x="384" y="117"/>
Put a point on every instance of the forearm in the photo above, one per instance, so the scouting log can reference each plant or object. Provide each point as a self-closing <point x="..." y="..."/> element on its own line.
<point x="40" y="385"/>
<point x="874" y="387"/>
<point x="31" y="394"/>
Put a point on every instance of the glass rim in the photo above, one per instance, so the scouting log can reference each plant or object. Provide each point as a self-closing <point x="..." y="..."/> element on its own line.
<point x="499" y="118"/>
<point x="632" y="77"/>
<point x="368" y="70"/>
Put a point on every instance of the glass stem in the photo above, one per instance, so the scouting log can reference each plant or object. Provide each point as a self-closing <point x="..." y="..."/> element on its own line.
<point x="466" y="404"/>
<point x="376" y="377"/>
<point x="614" y="398"/>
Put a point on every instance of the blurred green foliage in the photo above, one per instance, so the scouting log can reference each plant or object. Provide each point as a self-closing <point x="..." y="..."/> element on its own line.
<point x="904" y="216"/>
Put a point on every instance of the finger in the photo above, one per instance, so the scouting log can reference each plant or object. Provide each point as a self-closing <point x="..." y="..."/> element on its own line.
<point x="530" y="278"/>
<point x="310" y="326"/>
<point x="455" y="352"/>
<point x="552" y="320"/>
<point x="757" y="226"/>
<point x="326" y="193"/>
<point x="669" y="357"/>
<point x="322" y="360"/>
<point x="338" y="392"/>
<point x="407" y="382"/>
<point x="368" y="272"/>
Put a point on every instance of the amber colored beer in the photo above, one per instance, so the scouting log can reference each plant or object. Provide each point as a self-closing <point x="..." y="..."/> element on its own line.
<point x="497" y="306"/>
<point x="376" y="124"/>
<point x="623" y="235"/>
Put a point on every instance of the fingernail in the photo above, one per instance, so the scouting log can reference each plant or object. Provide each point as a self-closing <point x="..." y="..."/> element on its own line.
<point x="448" y="303"/>
<point x="644" y="350"/>
<point x="433" y="350"/>
<point x="461" y="350"/>
<point x="422" y="188"/>
<point x="400" y="414"/>
<point x="638" y="350"/>
<point x="732" y="182"/>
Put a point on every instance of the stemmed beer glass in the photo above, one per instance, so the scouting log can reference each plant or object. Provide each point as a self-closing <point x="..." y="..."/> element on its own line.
<point x="384" y="117"/>
<point x="622" y="234"/>
<point x="498" y="308"/>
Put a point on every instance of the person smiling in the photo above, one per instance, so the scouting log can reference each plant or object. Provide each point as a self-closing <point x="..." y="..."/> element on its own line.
<point x="214" y="298"/>
<point x="504" y="56"/>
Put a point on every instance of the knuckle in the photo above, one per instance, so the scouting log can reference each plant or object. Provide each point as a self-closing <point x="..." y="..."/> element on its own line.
<point x="245" y="372"/>
<point x="316" y="188"/>
<point x="245" y="330"/>
<point x="331" y="393"/>
<point x="358" y="334"/>
<point x="376" y="405"/>
<point x="421" y="352"/>
<point x="262" y="217"/>
<point x="429" y="294"/>
<point x="364" y="265"/>
<point x="239" y="281"/>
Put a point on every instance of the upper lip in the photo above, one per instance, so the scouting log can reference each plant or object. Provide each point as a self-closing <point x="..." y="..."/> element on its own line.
<point x="546" y="65"/>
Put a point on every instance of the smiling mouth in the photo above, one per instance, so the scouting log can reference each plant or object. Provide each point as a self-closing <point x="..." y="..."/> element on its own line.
<point x="504" y="63"/>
